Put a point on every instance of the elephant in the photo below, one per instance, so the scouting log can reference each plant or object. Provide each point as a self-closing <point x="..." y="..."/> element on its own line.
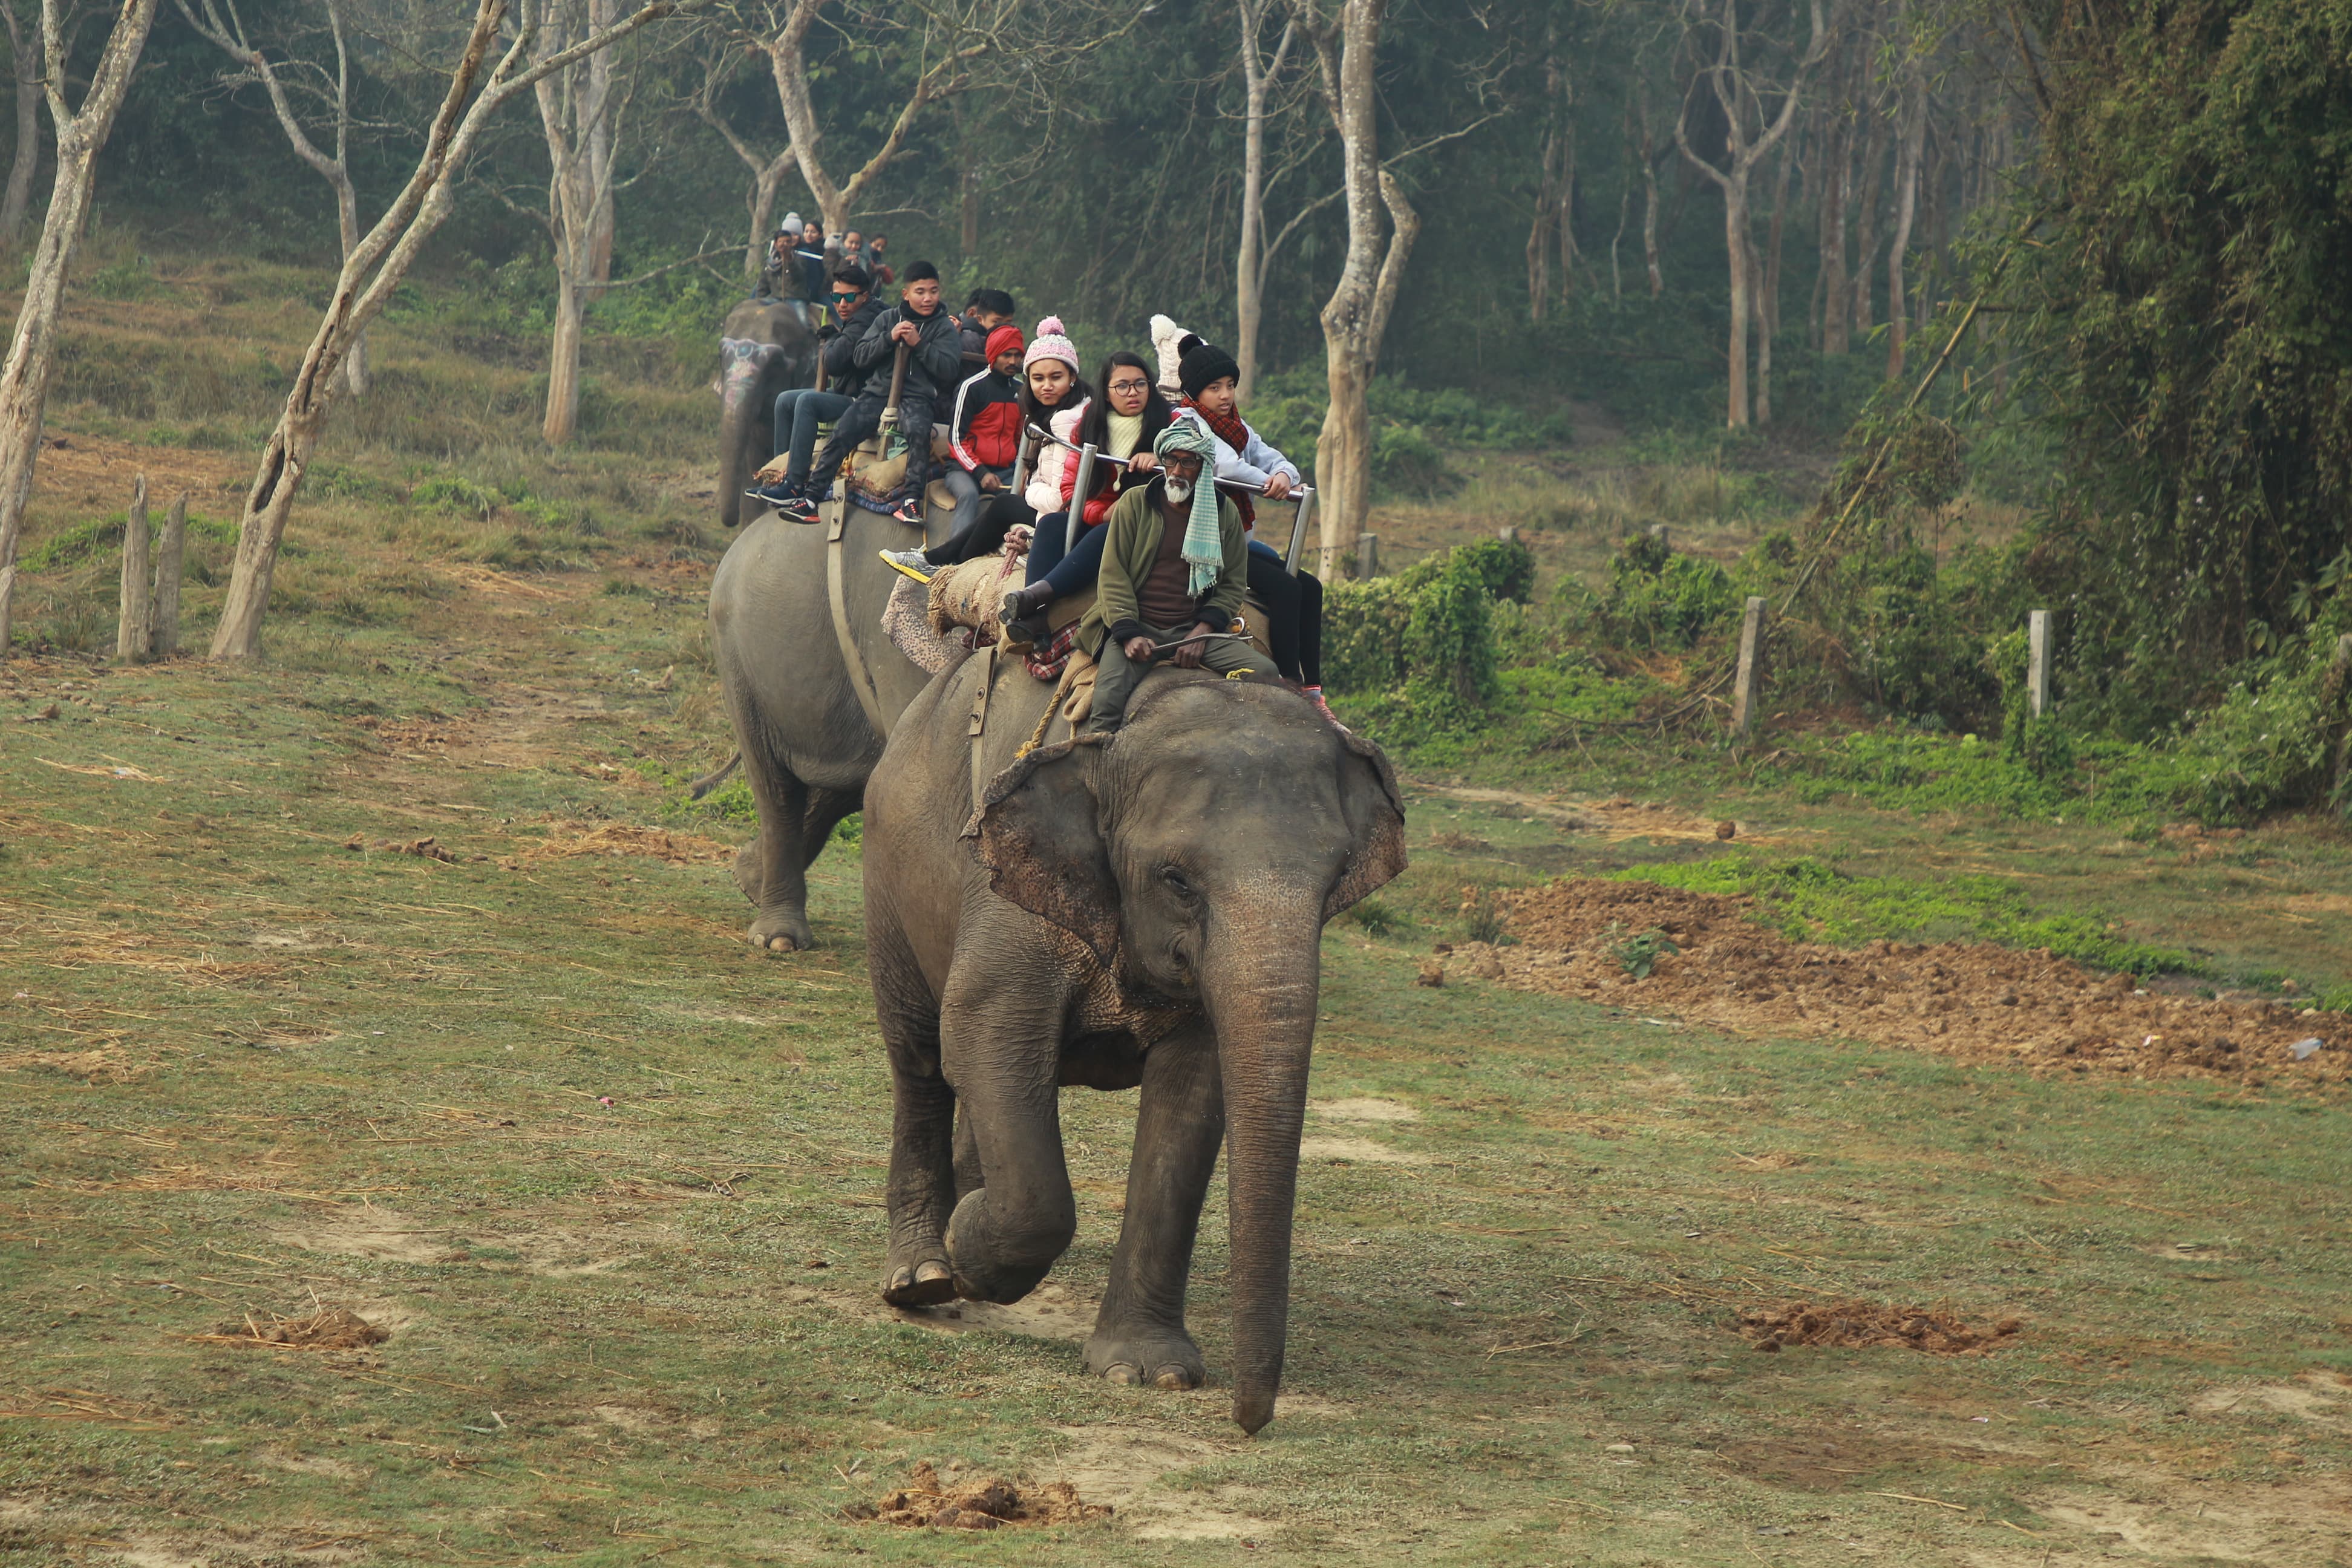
<point x="1146" y="909"/>
<point x="765" y="346"/>
<point x="803" y="732"/>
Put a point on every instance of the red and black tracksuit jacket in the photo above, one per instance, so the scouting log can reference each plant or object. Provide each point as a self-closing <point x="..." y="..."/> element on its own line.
<point x="987" y="422"/>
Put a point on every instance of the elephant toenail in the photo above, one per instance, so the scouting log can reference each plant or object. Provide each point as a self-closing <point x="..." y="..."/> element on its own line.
<point x="1123" y="1372"/>
<point x="927" y="1272"/>
<point x="1172" y="1377"/>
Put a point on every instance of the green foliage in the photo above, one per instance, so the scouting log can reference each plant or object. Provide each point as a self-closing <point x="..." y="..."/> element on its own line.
<point x="85" y="540"/>
<point x="1508" y="569"/>
<point x="1364" y="634"/>
<point x="1809" y="900"/>
<point x="1449" y="639"/>
<point x="2272" y="739"/>
<point x="1657" y="599"/>
<point x="1638" y="955"/>
<point x="1376" y="918"/>
<point x="2186" y="336"/>
<point x="455" y="494"/>
<point x="1412" y="425"/>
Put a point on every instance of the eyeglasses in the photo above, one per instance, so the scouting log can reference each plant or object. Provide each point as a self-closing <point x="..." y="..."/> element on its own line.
<point x="1130" y="386"/>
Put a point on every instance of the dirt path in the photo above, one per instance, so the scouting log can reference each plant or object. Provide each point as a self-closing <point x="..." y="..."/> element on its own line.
<point x="1973" y="1001"/>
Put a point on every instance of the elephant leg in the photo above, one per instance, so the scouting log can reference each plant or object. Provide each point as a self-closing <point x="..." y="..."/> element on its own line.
<point x="1139" y="1335"/>
<point x="1000" y="1037"/>
<point x="826" y="808"/>
<point x="783" y="920"/>
<point x="968" y="1177"/>
<point x="923" y="1114"/>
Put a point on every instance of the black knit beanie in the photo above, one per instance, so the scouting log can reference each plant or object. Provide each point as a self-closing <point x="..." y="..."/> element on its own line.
<point x="1202" y="363"/>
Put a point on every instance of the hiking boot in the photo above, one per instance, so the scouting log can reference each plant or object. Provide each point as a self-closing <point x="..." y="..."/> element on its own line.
<point x="1022" y="611"/>
<point x="913" y="563"/>
<point x="909" y="512"/>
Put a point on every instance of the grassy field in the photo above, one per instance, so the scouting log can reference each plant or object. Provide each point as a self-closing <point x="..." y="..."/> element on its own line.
<point x="397" y="978"/>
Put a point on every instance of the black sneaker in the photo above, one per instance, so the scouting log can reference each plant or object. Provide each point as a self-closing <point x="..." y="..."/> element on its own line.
<point x="800" y="509"/>
<point x="909" y="512"/>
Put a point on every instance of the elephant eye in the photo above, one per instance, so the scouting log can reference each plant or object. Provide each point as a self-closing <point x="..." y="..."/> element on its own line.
<point x="1177" y="884"/>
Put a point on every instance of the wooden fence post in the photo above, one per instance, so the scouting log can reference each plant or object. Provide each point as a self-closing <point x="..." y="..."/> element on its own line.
<point x="1367" y="557"/>
<point x="171" y="555"/>
<point x="1659" y="532"/>
<point x="1507" y="535"/>
<point x="130" y="631"/>
<point x="2037" y="668"/>
<point x="1752" y="671"/>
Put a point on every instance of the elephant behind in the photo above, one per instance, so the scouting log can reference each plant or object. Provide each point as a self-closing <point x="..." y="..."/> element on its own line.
<point x="1143" y="911"/>
<point x="765" y="347"/>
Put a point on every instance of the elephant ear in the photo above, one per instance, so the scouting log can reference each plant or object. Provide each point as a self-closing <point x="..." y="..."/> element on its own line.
<point x="1041" y="840"/>
<point x="1375" y="812"/>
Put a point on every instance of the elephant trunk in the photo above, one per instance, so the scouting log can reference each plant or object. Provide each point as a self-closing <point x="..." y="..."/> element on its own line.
<point x="741" y="389"/>
<point x="1261" y="1002"/>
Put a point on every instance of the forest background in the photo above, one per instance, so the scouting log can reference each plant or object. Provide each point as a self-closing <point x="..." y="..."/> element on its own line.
<point x="1981" y="308"/>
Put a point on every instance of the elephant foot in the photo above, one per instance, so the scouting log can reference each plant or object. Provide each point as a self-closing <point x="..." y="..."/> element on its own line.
<point x="924" y="1284"/>
<point x="781" y="932"/>
<point x="1160" y="1357"/>
<point x="975" y="1251"/>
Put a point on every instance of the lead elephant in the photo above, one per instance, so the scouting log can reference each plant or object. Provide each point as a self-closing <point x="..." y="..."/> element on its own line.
<point x="1145" y="910"/>
<point x="764" y="347"/>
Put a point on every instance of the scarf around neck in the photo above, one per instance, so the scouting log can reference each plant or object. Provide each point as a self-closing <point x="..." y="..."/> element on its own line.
<point x="1228" y="429"/>
<point x="1125" y="432"/>
<point x="1205" y="545"/>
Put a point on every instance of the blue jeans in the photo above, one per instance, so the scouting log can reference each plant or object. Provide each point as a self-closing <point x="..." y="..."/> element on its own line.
<point x="1070" y="575"/>
<point x="969" y="497"/>
<point x="798" y="413"/>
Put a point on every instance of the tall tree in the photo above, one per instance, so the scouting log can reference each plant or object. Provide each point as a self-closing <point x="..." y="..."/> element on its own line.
<point x="580" y="108"/>
<point x="1346" y="41"/>
<point x="374" y="268"/>
<point x="33" y="351"/>
<point x="1751" y="129"/>
<point x="329" y="93"/>
<point x="944" y="37"/>
<point x="767" y="174"/>
<point x="1914" y="111"/>
<point x="1260" y="73"/>
<point x="27" y="69"/>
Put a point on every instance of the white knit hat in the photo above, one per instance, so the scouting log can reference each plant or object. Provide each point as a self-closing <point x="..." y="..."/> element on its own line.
<point x="1166" y="337"/>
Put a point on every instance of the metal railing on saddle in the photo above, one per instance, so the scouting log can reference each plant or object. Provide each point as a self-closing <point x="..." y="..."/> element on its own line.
<point x="1032" y="436"/>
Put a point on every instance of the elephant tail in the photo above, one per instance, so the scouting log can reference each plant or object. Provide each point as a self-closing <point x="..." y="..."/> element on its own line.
<point x="710" y="782"/>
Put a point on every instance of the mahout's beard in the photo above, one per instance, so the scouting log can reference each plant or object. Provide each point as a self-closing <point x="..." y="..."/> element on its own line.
<point x="1180" y="490"/>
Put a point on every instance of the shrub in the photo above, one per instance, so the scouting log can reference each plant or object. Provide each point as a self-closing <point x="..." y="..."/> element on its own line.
<point x="2268" y="743"/>
<point x="1363" y="634"/>
<point x="1449" y="640"/>
<point x="1657" y="599"/>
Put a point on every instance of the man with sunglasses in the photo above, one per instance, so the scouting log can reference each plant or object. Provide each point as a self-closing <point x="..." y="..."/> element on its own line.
<point x="800" y="410"/>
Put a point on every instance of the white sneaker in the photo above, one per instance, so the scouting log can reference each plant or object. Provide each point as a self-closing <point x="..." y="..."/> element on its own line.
<point x="913" y="563"/>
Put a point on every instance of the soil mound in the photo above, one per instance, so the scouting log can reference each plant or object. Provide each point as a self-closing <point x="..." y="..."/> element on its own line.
<point x="991" y="1503"/>
<point x="571" y="838"/>
<point x="328" y="1329"/>
<point x="1967" y="1000"/>
<point x="1855" y="1325"/>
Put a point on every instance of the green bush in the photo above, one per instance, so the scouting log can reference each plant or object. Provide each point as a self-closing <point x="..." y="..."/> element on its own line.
<point x="2269" y="742"/>
<point x="1657" y="599"/>
<point x="1449" y="641"/>
<point x="1363" y="634"/>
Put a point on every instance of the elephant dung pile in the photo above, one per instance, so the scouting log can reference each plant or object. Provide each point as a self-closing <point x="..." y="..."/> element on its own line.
<point x="1864" y="1324"/>
<point x="991" y="1503"/>
<point x="1703" y="957"/>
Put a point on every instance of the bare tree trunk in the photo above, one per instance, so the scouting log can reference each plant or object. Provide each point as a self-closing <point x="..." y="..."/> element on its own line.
<point x="1869" y="182"/>
<point x="788" y="65"/>
<point x="226" y="30"/>
<point x="1731" y="78"/>
<point x="1772" y="317"/>
<point x="32" y="352"/>
<point x="1837" y="183"/>
<point x="27" y="163"/>
<point x="368" y="276"/>
<point x="133" y="635"/>
<point x="577" y="107"/>
<point x="1624" y="210"/>
<point x="1649" y="194"/>
<point x="1735" y="247"/>
<point x="1250" y="255"/>
<point x="1356" y="317"/>
<point x="1906" y="204"/>
<point x="767" y="174"/>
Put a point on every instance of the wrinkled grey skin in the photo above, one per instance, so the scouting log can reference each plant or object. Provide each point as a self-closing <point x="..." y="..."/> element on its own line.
<point x="747" y="392"/>
<point x="1144" y="912"/>
<point x="806" y="744"/>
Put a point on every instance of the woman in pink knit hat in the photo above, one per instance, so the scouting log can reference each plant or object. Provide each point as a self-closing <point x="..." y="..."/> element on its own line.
<point x="1053" y="394"/>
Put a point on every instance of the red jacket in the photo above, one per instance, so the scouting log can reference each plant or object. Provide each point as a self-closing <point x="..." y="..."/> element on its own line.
<point x="987" y="422"/>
